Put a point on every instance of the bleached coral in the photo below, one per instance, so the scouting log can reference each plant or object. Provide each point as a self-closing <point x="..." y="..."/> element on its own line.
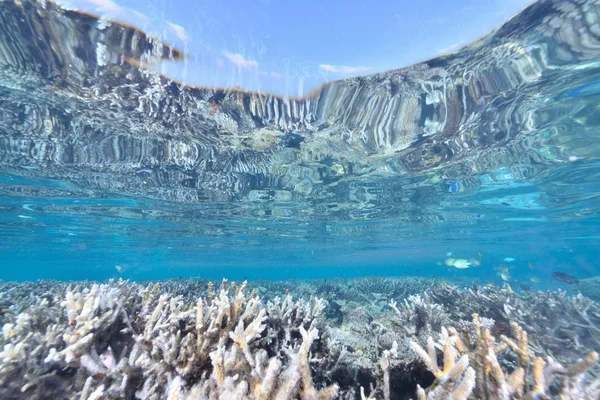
<point x="559" y="325"/>
<point x="455" y="379"/>
<point x="126" y="339"/>
<point x="419" y="313"/>
<point x="487" y="379"/>
<point x="385" y="362"/>
<point x="158" y="341"/>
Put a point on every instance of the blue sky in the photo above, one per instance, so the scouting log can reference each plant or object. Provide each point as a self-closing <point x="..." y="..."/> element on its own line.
<point x="289" y="48"/>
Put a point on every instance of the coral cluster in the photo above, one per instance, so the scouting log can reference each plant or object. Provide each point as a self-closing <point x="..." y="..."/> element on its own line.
<point x="561" y="326"/>
<point x="472" y="365"/>
<point x="122" y="340"/>
<point x="187" y="339"/>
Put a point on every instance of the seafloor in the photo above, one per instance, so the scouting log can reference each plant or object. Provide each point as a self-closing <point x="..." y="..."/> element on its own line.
<point x="371" y="338"/>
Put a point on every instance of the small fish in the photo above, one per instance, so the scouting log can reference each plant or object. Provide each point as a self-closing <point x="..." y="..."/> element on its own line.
<point x="509" y="259"/>
<point x="475" y="262"/>
<point x="505" y="275"/>
<point x="535" y="279"/>
<point x="119" y="268"/>
<point x="449" y="254"/>
<point x="449" y="262"/>
<point x="566" y="278"/>
<point x="530" y="265"/>
<point x="525" y="287"/>
<point x="461" y="263"/>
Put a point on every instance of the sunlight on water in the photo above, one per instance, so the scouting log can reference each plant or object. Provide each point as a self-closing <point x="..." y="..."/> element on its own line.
<point x="483" y="150"/>
<point x="474" y="168"/>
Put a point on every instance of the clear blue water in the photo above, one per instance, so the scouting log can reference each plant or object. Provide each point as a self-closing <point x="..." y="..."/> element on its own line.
<point x="480" y="168"/>
<point x="500" y="158"/>
<point x="73" y="238"/>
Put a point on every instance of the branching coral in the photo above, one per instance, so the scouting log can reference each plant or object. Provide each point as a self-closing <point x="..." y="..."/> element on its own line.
<point x="561" y="326"/>
<point x="154" y="341"/>
<point x="419" y="313"/>
<point x="530" y="378"/>
<point x="456" y="379"/>
<point x="122" y="339"/>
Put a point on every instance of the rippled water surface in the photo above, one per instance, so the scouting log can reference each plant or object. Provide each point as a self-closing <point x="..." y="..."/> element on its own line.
<point x="488" y="154"/>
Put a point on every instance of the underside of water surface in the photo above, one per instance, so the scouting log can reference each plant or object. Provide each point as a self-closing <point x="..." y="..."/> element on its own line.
<point x="434" y="226"/>
<point x="488" y="153"/>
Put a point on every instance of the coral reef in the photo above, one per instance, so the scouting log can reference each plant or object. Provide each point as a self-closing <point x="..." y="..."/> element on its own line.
<point x="123" y="340"/>
<point x="561" y="326"/>
<point x="590" y="287"/>
<point x="192" y="339"/>
<point x="472" y="365"/>
<point x="368" y="290"/>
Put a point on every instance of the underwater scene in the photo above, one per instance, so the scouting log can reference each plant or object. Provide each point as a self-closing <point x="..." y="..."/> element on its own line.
<point x="429" y="232"/>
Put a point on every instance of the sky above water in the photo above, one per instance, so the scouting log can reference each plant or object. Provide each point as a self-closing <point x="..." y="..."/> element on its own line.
<point x="289" y="48"/>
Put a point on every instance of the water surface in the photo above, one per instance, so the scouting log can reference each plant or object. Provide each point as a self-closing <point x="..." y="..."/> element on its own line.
<point x="108" y="170"/>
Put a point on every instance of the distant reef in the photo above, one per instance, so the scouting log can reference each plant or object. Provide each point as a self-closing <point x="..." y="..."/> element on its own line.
<point x="590" y="287"/>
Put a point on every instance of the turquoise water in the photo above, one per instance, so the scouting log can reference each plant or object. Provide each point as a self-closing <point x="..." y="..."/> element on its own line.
<point x="489" y="153"/>
<point x="446" y="212"/>
<point x="68" y="236"/>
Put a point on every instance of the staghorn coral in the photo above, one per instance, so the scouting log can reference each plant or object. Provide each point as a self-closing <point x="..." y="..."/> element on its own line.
<point x="194" y="339"/>
<point x="127" y="340"/>
<point x="561" y="326"/>
<point x="419" y="313"/>
<point x="443" y="303"/>
<point x="456" y="379"/>
<point x="529" y="378"/>
<point x="374" y="291"/>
